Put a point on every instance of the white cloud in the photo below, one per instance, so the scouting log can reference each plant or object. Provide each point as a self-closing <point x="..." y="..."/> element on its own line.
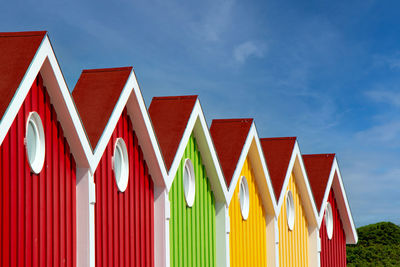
<point x="216" y="21"/>
<point x="248" y="49"/>
<point x="385" y="96"/>
<point x="384" y="133"/>
<point x="392" y="61"/>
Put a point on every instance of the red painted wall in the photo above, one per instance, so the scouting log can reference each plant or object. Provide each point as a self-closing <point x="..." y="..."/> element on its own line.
<point x="124" y="222"/>
<point x="37" y="212"/>
<point x="333" y="252"/>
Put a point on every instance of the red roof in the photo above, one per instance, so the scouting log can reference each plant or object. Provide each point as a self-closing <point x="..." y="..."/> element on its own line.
<point x="278" y="152"/>
<point x="229" y="136"/>
<point x="96" y="94"/>
<point x="318" y="167"/>
<point x="17" y="50"/>
<point x="170" y="116"/>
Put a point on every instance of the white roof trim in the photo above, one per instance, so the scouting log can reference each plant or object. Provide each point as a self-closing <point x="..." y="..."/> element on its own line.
<point x="46" y="62"/>
<point x="346" y="217"/>
<point x="111" y="124"/>
<point x="131" y="97"/>
<point x="296" y="160"/>
<point x="252" y="136"/>
<point x="197" y="124"/>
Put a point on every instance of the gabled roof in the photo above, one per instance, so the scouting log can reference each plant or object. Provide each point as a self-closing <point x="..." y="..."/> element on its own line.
<point x="96" y="93"/>
<point x="170" y="116"/>
<point x="324" y="174"/>
<point x="278" y="152"/>
<point x="175" y="119"/>
<point x="229" y="136"/>
<point x="22" y="56"/>
<point x="318" y="167"/>
<point x="100" y="96"/>
<point x="17" y="50"/>
<point x="283" y="158"/>
<point x="235" y="140"/>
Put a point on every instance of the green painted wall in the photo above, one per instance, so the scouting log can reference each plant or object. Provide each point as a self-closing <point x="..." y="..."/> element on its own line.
<point x="192" y="230"/>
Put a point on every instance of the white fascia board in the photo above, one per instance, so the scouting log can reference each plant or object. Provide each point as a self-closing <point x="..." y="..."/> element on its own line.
<point x="138" y="113"/>
<point x="146" y="135"/>
<point x="181" y="148"/>
<point x="266" y="172"/>
<point x="326" y="193"/>
<point x="253" y="137"/>
<point x="240" y="163"/>
<point x="71" y="123"/>
<point x="286" y="181"/>
<point x="198" y="125"/>
<point x="22" y="91"/>
<point x="111" y="124"/>
<point x="343" y="205"/>
<point x="296" y="158"/>
<point x="46" y="62"/>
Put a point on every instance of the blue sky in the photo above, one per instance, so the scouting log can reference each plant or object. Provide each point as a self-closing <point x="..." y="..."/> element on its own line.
<point x="327" y="72"/>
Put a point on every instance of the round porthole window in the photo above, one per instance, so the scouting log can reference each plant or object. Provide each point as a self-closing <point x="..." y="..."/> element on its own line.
<point x="121" y="164"/>
<point x="329" y="220"/>
<point x="290" y="209"/>
<point x="34" y="142"/>
<point x="189" y="182"/>
<point x="244" y="198"/>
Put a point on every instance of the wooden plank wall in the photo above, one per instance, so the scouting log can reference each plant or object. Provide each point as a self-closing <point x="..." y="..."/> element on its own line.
<point x="37" y="212"/>
<point x="124" y="221"/>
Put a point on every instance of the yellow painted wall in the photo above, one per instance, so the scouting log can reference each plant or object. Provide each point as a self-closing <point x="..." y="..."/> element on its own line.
<point x="293" y="245"/>
<point x="247" y="238"/>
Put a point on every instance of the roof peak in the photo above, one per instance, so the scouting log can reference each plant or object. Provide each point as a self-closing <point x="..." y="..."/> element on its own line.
<point x="17" y="51"/>
<point x="229" y="137"/>
<point x="320" y="155"/>
<point x="107" y="69"/>
<point x="279" y="138"/>
<point x="96" y="94"/>
<point x="175" y="97"/>
<point x="23" y="34"/>
<point x="170" y="116"/>
<point x="318" y="168"/>
<point x="278" y="152"/>
<point x="233" y="120"/>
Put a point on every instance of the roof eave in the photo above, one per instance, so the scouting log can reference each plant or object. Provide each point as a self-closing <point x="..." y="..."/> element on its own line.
<point x="198" y="126"/>
<point x="252" y="148"/>
<point x="45" y="63"/>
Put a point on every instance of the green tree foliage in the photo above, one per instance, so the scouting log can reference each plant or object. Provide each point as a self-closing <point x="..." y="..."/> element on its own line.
<point x="378" y="245"/>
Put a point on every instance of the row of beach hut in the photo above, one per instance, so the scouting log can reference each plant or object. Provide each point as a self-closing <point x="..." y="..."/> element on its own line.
<point x="94" y="178"/>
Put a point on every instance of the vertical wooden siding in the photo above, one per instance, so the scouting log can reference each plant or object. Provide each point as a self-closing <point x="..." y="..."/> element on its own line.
<point x="293" y="244"/>
<point x="192" y="230"/>
<point x="124" y="221"/>
<point x="247" y="238"/>
<point x="333" y="252"/>
<point x="37" y="212"/>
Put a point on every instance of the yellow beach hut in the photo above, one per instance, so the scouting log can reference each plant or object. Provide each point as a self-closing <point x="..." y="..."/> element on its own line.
<point x="296" y="223"/>
<point x="251" y="199"/>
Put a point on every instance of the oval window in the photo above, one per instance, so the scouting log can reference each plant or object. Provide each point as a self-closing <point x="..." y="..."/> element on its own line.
<point x="189" y="182"/>
<point x="121" y="164"/>
<point x="329" y="220"/>
<point x="34" y="142"/>
<point x="244" y="198"/>
<point x="290" y="209"/>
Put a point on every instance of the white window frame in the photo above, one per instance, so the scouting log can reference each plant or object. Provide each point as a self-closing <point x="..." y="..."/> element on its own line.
<point x="329" y="220"/>
<point x="244" y="198"/>
<point x="189" y="182"/>
<point x="122" y="181"/>
<point x="37" y="162"/>
<point x="290" y="210"/>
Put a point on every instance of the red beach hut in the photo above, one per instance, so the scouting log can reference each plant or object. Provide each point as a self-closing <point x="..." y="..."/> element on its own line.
<point x="336" y="226"/>
<point x="42" y="143"/>
<point x="126" y="165"/>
